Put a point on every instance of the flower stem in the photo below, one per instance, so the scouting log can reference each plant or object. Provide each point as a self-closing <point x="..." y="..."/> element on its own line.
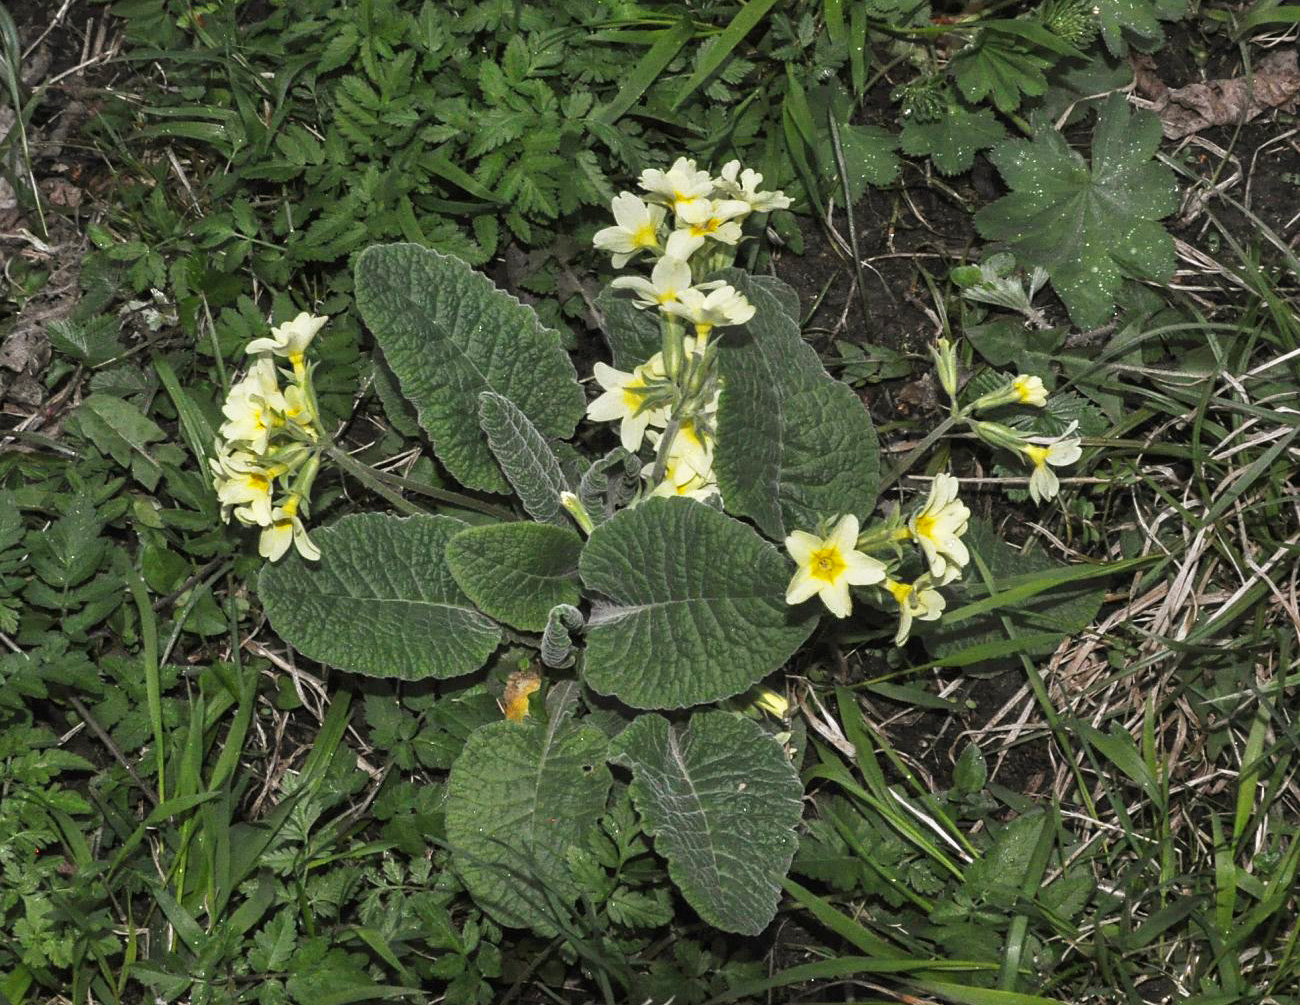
<point x="916" y="452"/>
<point x="386" y="485"/>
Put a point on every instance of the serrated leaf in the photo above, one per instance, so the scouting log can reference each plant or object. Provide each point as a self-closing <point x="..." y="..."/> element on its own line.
<point x="529" y="463"/>
<point x="1139" y="18"/>
<point x="795" y="446"/>
<point x="121" y="430"/>
<point x="696" y="607"/>
<point x="518" y="797"/>
<point x="952" y="140"/>
<point x="516" y="572"/>
<point x="722" y="801"/>
<point x="381" y="600"/>
<point x="448" y="335"/>
<point x="91" y="342"/>
<point x="1089" y="226"/>
<point x="996" y="64"/>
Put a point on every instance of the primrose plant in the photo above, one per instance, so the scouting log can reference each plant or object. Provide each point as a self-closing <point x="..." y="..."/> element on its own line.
<point x="653" y="582"/>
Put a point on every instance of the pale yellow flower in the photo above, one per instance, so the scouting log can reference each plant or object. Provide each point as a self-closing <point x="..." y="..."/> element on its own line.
<point x="625" y="401"/>
<point x="1029" y="390"/>
<point x="738" y="184"/>
<point x="718" y="219"/>
<point x="668" y="279"/>
<point x="829" y="565"/>
<point x="243" y="485"/>
<point x="679" y="186"/>
<point x="254" y="406"/>
<point x="1057" y="453"/>
<point x="938" y="526"/>
<point x="917" y="601"/>
<point x="290" y="339"/>
<point x="286" y="528"/>
<point x="636" y="228"/>
<point x="688" y="468"/>
<point x="722" y="305"/>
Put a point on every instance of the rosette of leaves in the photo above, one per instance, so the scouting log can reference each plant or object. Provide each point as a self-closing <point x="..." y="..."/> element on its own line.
<point x="668" y="603"/>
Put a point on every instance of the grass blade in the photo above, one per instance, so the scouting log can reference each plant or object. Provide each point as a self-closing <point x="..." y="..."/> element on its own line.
<point x="741" y="25"/>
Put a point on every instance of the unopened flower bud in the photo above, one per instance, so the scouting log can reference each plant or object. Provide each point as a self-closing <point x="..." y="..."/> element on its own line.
<point x="945" y="363"/>
<point x="997" y="435"/>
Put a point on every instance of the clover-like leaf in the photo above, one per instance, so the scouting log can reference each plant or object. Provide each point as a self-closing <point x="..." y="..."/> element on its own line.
<point x="795" y="446"/>
<point x="518" y="797"/>
<point x="722" y="801"/>
<point x="696" y="606"/>
<point x="448" y="334"/>
<point x="381" y="600"/>
<point x="952" y="140"/>
<point x="1139" y="19"/>
<point x="516" y="572"/>
<point x="1089" y="226"/>
<point x="996" y="64"/>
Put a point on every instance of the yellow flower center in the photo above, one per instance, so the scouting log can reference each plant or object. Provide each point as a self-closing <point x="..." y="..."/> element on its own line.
<point x="290" y="508"/>
<point x="925" y="525"/>
<point x="707" y="228"/>
<point x="645" y="236"/>
<point x="668" y="295"/>
<point x="900" y="591"/>
<point x="826" y="564"/>
<point x="1036" y="454"/>
<point x="258" y="484"/>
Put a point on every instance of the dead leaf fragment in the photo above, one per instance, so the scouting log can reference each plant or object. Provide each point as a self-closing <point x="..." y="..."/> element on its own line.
<point x="519" y="685"/>
<point x="1187" y="110"/>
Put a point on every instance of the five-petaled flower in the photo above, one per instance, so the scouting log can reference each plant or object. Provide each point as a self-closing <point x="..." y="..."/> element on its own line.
<point x="722" y="305"/>
<point x="624" y="399"/>
<point x="668" y="279"/>
<point x="738" y="184"/>
<point x="290" y="339"/>
<point x="636" y="228"/>
<point x="1057" y="453"/>
<point x="829" y="565"/>
<point x="679" y="186"/>
<point x="1029" y="390"/>
<point x="286" y="528"/>
<point x="254" y="406"/>
<point x="938" y="526"/>
<point x="918" y="601"/>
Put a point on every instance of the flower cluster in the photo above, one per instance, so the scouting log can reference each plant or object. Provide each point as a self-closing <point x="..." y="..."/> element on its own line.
<point x="828" y="565"/>
<point x="1043" y="453"/>
<point x="671" y="399"/>
<point x="268" y="450"/>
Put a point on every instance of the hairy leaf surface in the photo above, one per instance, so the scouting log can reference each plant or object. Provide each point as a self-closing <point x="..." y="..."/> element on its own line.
<point x="381" y="600"/>
<point x="516" y="572"/>
<point x="518" y="797"/>
<point x="722" y="802"/>
<point x="696" y="608"/>
<point x="448" y="334"/>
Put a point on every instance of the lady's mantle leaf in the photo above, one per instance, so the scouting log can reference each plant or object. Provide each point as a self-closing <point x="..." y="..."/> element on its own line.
<point x="518" y="797"/>
<point x="1001" y="66"/>
<point x="1088" y="226"/>
<point x="697" y="606"/>
<point x="953" y="138"/>
<point x="795" y="446"/>
<point x="381" y="600"/>
<point x="722" y="802"/>
<point x="1138" y="18"/>
<point x="517" y="572"/>
<point x="448" y="335"/>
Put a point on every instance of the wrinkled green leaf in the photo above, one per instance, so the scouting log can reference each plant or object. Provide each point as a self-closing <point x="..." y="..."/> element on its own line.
<point x="516" y="572"/>
<point x="529" y="463"/>
<point x="381" y="600"/>
<point x="448" y="335"/>
<point x="696" y="606"/>
<point x="722" y="801"/>
<point x="518" y="797"/>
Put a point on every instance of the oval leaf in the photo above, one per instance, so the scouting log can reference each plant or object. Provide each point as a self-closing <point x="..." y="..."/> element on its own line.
<point x="529" y="463"/>
<point x="516" y="572"/>
<point x="697" y="606"/>
<point x="722" y="802"/>
<point x="518" y="797"/>
<point x="381" y="600"/>
<point x="795" y="446"/>
<point x="448" y="334"/>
